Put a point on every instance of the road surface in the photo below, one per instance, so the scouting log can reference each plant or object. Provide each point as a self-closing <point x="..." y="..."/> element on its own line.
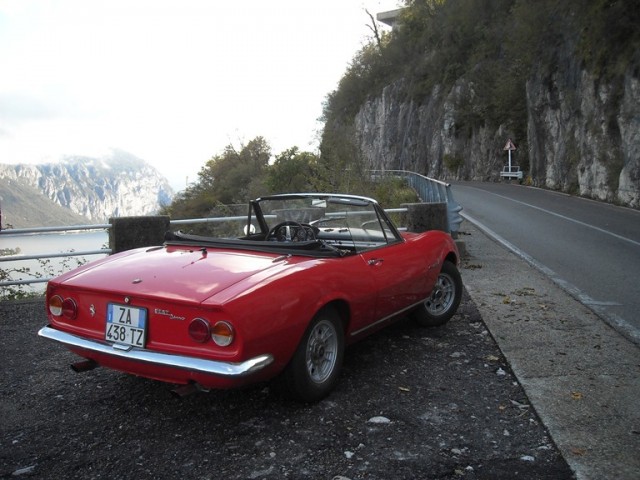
<point x="589" y="248"/>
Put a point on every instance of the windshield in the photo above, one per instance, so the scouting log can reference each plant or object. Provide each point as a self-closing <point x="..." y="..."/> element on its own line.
<point x="318" y="225"/>
<point x="342" y="221"/>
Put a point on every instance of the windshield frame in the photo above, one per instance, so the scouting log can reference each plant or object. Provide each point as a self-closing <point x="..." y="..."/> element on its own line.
<point x="261" y="213"/>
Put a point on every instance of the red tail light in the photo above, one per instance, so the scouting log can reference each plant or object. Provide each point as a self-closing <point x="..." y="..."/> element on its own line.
<point x="69" y="309"/>
<point x="199" y="330"/>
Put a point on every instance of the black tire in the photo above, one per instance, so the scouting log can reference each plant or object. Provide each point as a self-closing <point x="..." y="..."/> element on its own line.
<point x="444" y="300"/>
<point x="316" y="364"/>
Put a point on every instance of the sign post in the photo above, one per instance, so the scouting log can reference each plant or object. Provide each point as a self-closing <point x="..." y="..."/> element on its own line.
<point x="509" y="147"/>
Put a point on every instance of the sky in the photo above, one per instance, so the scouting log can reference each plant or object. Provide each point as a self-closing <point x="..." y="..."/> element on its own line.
<point x="170" y="81"/>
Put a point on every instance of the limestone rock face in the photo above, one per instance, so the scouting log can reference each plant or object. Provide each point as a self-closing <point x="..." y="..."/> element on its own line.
<point x="582" y="139"/>
<point x="583" y="134"/>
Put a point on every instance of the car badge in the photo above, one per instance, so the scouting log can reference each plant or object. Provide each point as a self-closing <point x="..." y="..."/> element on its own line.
<point x="167" y="313"/>
<point x="92" y="310"/>
<point x="136" y="280"/>
<point x="127" y="299"/>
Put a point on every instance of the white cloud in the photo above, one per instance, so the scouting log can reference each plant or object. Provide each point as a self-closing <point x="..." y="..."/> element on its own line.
<point x="173" y="82"/>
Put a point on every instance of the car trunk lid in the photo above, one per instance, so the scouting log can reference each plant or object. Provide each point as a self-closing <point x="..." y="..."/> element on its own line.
<point x="174" y="273"/>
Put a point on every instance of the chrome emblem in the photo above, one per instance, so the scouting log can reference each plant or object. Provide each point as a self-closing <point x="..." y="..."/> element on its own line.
<point x="92" y="310"/>
<point x="167" y="313"/>
<point x="137" y="280"/>
<point x="127" y="299"/>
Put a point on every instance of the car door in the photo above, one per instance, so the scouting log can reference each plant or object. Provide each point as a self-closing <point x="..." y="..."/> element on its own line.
<point x="398" y="278"/>
<point x="396" y="266"/>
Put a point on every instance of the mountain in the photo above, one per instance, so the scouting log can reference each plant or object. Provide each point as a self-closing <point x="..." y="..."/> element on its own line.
<point x="81" y="190"/>
<point x="24" y="206"/>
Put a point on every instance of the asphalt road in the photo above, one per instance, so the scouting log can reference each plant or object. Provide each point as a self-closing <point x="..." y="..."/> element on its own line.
<point x="589" y="248"/>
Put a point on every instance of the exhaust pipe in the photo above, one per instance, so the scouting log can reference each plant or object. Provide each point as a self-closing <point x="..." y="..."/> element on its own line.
<point x="182" y="391"/>
<point x="84" y="366"/>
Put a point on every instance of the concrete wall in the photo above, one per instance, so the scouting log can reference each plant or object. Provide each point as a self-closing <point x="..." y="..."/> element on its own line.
<point x="134" y="232"/>
<point x="421" y="217"/>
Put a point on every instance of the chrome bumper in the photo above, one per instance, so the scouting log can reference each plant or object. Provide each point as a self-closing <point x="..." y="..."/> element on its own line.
<point x="211" y="367"/>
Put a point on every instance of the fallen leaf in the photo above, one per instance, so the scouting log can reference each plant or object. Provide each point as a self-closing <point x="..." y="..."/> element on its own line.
<point x="404" y="389"/>
<point x="578" y="451"/>
<point x="472" y="266"/>
<point x="492" y="358"/>
<point x="576" y="395"/>
<point x="519" y="405"/>
<point x="526" y="292"/>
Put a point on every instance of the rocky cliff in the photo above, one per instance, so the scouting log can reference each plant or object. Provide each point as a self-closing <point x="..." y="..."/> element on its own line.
<point x="118" y="185"/>
<point x="579" y="140"/>
<point x="584" y="134"/>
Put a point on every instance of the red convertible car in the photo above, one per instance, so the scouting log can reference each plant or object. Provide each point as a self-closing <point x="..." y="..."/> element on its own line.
<point x="311" y="274"/>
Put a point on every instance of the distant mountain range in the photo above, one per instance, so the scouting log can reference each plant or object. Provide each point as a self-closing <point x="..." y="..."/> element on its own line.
<point x="80" y="190"/>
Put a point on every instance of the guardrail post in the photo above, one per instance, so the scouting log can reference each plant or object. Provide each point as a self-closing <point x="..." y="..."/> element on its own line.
<point x="134" y="232"/>
<point x="453" y="213"/>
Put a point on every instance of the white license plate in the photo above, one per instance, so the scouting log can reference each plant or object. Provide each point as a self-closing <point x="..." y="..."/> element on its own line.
<point x="126" y="325"/>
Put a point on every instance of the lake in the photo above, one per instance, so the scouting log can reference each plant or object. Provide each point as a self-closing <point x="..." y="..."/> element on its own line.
<point x="47" y="243"/>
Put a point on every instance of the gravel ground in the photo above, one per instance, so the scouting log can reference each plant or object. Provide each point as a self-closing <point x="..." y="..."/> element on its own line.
<point x="412" y="403"/>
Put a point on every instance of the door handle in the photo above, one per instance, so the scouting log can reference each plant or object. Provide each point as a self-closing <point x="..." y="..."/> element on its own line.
<point x="375" y="262"/>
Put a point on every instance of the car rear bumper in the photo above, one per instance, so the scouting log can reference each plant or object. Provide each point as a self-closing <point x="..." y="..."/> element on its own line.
<point x="229" y="370"/>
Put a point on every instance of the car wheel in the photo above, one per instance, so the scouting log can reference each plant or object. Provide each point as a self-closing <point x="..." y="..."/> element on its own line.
<point x="315" y="366"/>
<point x="444" y="299"/>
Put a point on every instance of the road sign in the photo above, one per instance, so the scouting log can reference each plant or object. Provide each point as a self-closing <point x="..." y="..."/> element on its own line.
<point x="509" y="146"/>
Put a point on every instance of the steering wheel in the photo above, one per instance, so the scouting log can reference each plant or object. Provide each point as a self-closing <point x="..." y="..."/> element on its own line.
<point x="292" y="235"/>
<point x="368" y="223"/>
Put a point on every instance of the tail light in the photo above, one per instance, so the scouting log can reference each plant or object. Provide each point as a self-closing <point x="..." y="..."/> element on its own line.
<point x="69" y="309"/>
<point x="66" y="308"/>
<point x="55" y="305"/>
<point x="201" y="331"/>
<point x="222" y="334"/>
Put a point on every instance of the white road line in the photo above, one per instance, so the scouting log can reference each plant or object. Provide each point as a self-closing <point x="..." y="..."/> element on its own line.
<point x="564" y="217"/>
<point x="598" y="307"/>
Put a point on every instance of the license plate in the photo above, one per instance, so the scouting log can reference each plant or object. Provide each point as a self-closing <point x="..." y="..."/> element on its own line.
<point x="126" y="325"/>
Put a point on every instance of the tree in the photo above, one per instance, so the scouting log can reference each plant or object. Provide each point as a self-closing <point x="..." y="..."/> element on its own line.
<point x="235" y="176"/>
<point x="292" y="171"/>
<point x="231" y="177"/>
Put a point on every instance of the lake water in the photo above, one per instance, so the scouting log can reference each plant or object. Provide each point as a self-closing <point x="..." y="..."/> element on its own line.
<point x="47" y="243"/>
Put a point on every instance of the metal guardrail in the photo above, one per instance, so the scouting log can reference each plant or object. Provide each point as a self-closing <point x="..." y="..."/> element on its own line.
<point x="72" y="228"/>
<point x="188" y="221"/>
<point x="39" y="256"/>
<point x="430" y="190"/>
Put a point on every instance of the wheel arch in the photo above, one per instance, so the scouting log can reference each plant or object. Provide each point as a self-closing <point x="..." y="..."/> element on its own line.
<point x="313" y="353"/>
<point x="452" y="257"/>
<point x="342" y="308"/>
